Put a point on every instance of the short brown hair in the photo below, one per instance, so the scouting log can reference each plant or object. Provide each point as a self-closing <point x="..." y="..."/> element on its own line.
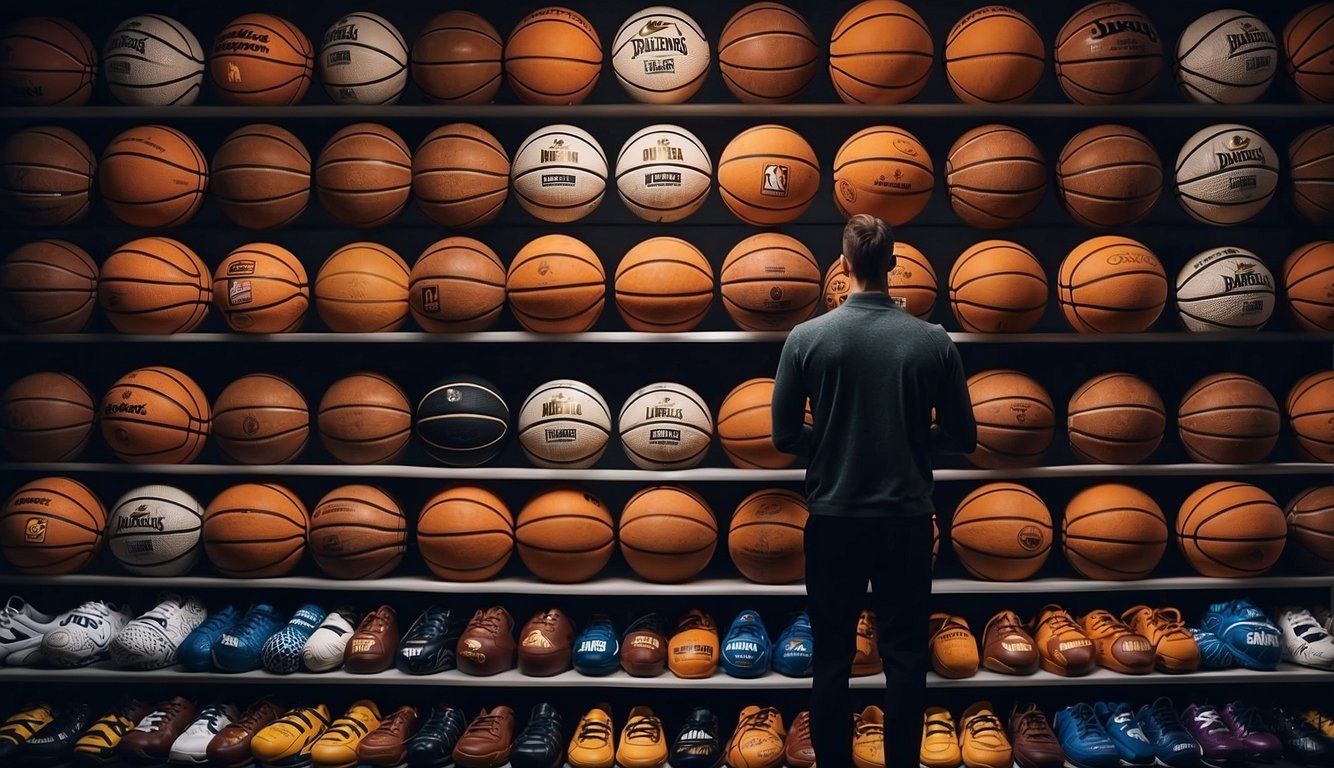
<point x="868" y="244"/>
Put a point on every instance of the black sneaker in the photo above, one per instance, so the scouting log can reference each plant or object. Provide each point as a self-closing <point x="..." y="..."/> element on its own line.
<point x="428" y="647"/>
<point x="54" y="744"/>
<point x="433" y="746"/>
<point x="1302" y="743"/>
<point x="696" y="745"/>
<point x="541" y="743"/>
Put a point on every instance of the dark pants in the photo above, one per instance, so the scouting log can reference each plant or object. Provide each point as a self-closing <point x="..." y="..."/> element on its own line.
<point x="842" y="554"/>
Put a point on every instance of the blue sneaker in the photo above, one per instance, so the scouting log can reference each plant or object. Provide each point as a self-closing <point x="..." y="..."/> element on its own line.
<point x="597" y="649"/>
<point x="282" y="652"/>
<point x="793" y="652"/>
<point x="1253" y="639"/>
<point x="1214" y="653"/>
<point x="239" y="648"/>
<point x="1123" y="727"/>
<point x="1173" y="746"/>
<point x="746" y="646"/>
<point x="1083" y="739"/>
<point x="196" y="652"/>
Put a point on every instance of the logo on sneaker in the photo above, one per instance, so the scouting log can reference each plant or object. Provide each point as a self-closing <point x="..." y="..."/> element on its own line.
<point x="592" y="646"/>
<point x="696" y="735"/>
<point x="742" y="645"/>
<point x="534" y="639"/>
<point x="796" y="645"/>
<point x="645" y="641"/>
<point x="410" y="652"/>
<point x="1019" y="647"/>
<point x="1266" y="639"/>
<point x="700" y="648"/>
<point x="362" y="644"/>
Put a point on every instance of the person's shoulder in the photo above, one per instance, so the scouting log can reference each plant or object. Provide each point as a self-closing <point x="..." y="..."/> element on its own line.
<point x="932" y="333"/>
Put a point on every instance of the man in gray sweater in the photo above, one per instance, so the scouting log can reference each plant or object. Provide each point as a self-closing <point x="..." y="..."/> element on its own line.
<point x="874" y="374"/>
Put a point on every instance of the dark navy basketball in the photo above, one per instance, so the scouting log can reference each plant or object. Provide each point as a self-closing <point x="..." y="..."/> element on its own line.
<point x="463" y="421"/>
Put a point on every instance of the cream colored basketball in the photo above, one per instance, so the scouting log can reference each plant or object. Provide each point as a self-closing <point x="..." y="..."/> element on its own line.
<point x="559" y="173"/>
<point x="1226" y="57"/>
<point x="660" y="56"/>
<point x="564" y="424"/>
<point x="1225" y="289"/>
<point x="1225" y="174"/>
<point x="363" y="60"/>
<point x="153" y="61"/>
<point x="663" y="173"/>
<point x="665" y="426"/>
<point x="156" y="530"/>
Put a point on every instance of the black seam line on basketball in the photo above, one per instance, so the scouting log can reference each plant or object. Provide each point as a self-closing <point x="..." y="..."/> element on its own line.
<point x="595" y="202"/>
<point x="761" y="97"/>
<point x="191" y="171"/>
<point x="1111" y="569"/>
<point x="799" y="206"/>
<point x="492" y="145"/>
<point x="1060" y="77"/>
<point x="929" y="171"/>
<point x="750" y="68"/>
<point x="1040" y="277"/>
<point x="261" y="200"/>
<point x="591" y="34"/>
<point x="914" y="19"/>
<point x="145" y="86"/>
<point x="596" y="399"/>
<point x="276" y="86"/>
<point x="95" y="531"/>
<point x="576" y="59"/>
<point x="450" y="28"/>
<point x="995" y="555"/>
<point x="955" y="185"/>
<point x="557" y="94"/>
<point x="1229" y="203"/>
<point x="1210" y="31"/>
<point x="267" y="60"/>
<point x="447" y="98"/>
<point x="1069" y="151"/>
<point x="249" y="132"/>
<point x="366" y="273"/>
<point x="364" y="162"/>
<point x="128" y="203"/>
<point x="1215" y="81"/>
<point x="1299" y="66"/>
<point x="82" y="151"/>
<point x="1214" y="322"/>
<point x="882" y="86"/>
<point x="684" y="204"/>
<point x="328" y="86"/>
<point x="304" y="427"/>
<point x="1008" y="489"/>
<point x="402" y="65"/>
<point x="1070" y="286"/>
<point x="1112" y="540"/>
<point x="358" y="524"/>
<point x="1062" y="182"/>
<point x="140" y="57"/>
<point x="165" y="500"/>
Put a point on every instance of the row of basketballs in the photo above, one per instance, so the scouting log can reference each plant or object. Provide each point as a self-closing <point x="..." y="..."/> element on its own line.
<point x="880" y="51"/>
<point x="1108" y="176"/>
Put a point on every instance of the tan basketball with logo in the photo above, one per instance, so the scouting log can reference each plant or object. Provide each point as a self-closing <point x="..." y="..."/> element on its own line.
<point x="1115" y="418"/>
<point x="460" y="175"/>
<point x="997" y="286"/>
<point x="362" y="288"/>
<point x="667" y="533"/>
<point x="768" y="175"/>
<point x="465" y="533"/>
<point x="48" y="61"/>
<point x="1111" y="284"/>
<point x="365" y="419"/>
<point x="457" y="59"/>
<point x="1015" y="419"/>
<point x="880" y="53"/>
<point x="156" y="416"/>
<point x="766" y="536"/>
<point x="1228" y="418"/>
<point x="46" y="416"/>
<point x="565" y="535"/>
<point x="1114" y="532"/>
<point x="261" y="419"/>
<point x="1002" y="532"/>
<point x="883" y="171"/>
<point x="770" y="282"/>
<point x="1108" y="53"/>
<point x="261" y="177"/>
<point x="556" y="284"/>
<point x="553" y="56"/>
<point x="48" y="286"/>
<point x="261" y="60"/>
<point x="663" y="285"/>
<point x="1310" y="407"/>
<point x="363" y="176"/>
<point x="767" y="54"/>
<point x="153" y="176"/>
<point x="1228" y="529"/>
<point x="457" y="286"/>
<point x="1311" y="167"/>
<point x="1109" y="176"/>
<point x="52" y="526"/>
<point x="996" y="177"/>
<point x="46" y="177"/>
<point x="745" y="426"/>
<point x="1308" y="281"/>
<point x="1311" y="529"/>
<point x="154" y="285"/>
<point x="912" y="279"/>
<point x="994" y="55"/>
<point x="255" y="531"/>
<point x="357" y="532"/>
<point x="261" y="288"/>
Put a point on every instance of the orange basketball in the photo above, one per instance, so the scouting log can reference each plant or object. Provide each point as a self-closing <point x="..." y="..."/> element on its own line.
<point x="996" y="177"/>
<point x="1001" y="532"/>
<point x="1311" y="529"/>
<point x="1228" y="418"/>
<point x="465" y="533"/>
<point x="46" y="177"/>
<point x="1311" y="164"/>
<point x="362" y="288"/>
<point x="997" y="286"/>
<point x="565" y="535"/>
<point x="154" y="285"/>
<point x="766" y="536"/>
<point x="1308" y="281"/>
<point x="1230" y="529"/>
<point x="1115" y="418"/>
<point x="994" y="55"/>
<point x="556" y="284"/>
<point x="667" y="533"/>
<point x="457" y="286"/>
<point x="1109" y="176"/>
<point x="51" y="526"/>
<point x="1310" y="408"/>
<point x="912" y="279"/>
<point x="153" y="176"/>
<point x="156" y="416"/>
<point x="456" y="60"/>
<point x="357" y="532"/>
<point x="460" y="175"/>
<point x="261" y="419"/>
<point x="883" y="171"/>
<point x="880" y="53"/>
<point x="255" y="531"/>
<point x="261" y="60"/>
<point x="768" y="175"/>
<point x="767" y="54"/>
<point x="770" y="282"/>
<point x="1111" y="284"/>
<point x="261" y="177"/>
<point x="46" y="416"/>
<point x="48" y="286"/>
<point x="664" y="284"/>
<point x="1015" y="419"/>
<point x="1108" y="53"/>
<point x="1113" y="532"/>
<point x="364" y="175"/>
<point x="365" y="419"/>
<point x="48" y="61"/>
<point x="745" y="426"/>
<point x="261" y="288"/>
<point x="553" y="56"/>
<point x="1308" y="38"/>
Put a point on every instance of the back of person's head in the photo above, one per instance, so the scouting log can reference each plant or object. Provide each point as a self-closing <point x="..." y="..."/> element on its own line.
<point x="868" y="245"/>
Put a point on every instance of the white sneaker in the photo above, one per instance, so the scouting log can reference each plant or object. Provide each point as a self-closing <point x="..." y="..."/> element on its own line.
<point x="21" y="631"/>
<point x="1325" y="617"/>
<point x="84" y="634"/>
<point x="324" y="650"/>
<point x="191" y="747"/>
<point x="150" y="641"/>
<point x="1305" y="642"/>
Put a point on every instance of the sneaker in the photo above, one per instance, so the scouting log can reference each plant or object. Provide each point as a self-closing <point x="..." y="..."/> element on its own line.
<point x="1320" y="721"/>
<point x="1326" y="618"/>
<point x="1174" y="650"/>
<point x="746" y="648"/>
<point x="1262" y="746"/>
<point x="231" y="747"/>
<point x="152" y="640"/>
<point x="21" y="631"/>
<point x="1305" y="642"/>
<point x="1121" y="724"/>
<point x="592" y="745"/>
<point x="287" y="741"/>
<point x="1035" y="743"/>
<point x="54" y="744"/>
<point x="545" y="644"/>
<point x="866" y="660"/>
<point x="1218" y="745"/>
<point x="795" y="650"/>
<point x="940" y="740"/>
<point x="1214" y="653"/>
<point x="1007" y="647"/>
<point x="337" y="746"/>
<point x="1062" y="645"/>
<point x="868" y="738"/>
<point x="1115" y="646"/>
<point x="982" y="741"/>
<point x="693" y="648"/>
<point x="487" y="646"/>
<point x="240" y="647"/>
<point x="953" y="646"/>
<point x="150" y="741"/>
<point x="697" y="746"/>
<point x="195" y="653"/>
<point x="372" y="647"/>
<point x="191" y="747"/>
<point x="541" y="743"/>
<point x="597" y="649"/>
<point x="387" y="745"/>
<point x="99" y="742"/>
<point x="1302" y="743"/>
<point x="281" y="653"/>
<point x="488" y="740"/>
<point x="20" y="726"/>
<point x="643" y="744"/>
<point x="1172" y="744"/>
<point x="324" y="650"/>
<point x="1083" y="738"/>
<point x="429" y="645"/>
<point x="758" y="739"/>
<point x="644" y="648"/>
<point x="83" y="635"/>
<point x="435" y="740"/>
<point x="1252" y="638"/>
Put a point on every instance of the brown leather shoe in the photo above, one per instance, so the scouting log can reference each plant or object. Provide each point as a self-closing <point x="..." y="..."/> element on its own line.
<point x="1007" y="648"/>
<point x="371" y="648"/>
<point x="544" y="644"/>
<point x="1035" y="745"/>
<point x="1063" y="646"/>
<point x="867" y="660"/>
<point x="486" y="646"/>
<point x="644" y="648"/>
<point x="387" y="744"/>
<point x="953" y="646"/>
<point x="488" y="740"/>
<point x="150" y="740"/>
<point x="232" y="744"/>
<point x="797" y="750"/>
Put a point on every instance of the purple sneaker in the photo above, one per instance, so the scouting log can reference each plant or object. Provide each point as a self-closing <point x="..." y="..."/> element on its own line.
<point x="1218" y="744"/>
<point x="1261" y="745"/>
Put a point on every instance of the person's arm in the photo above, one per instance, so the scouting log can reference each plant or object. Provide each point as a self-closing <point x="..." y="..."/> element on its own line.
<point x="956" y="429"/>
<point x="788" y="409"/>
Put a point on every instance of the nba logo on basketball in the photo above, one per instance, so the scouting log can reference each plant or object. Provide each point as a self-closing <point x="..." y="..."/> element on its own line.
<point x="775" y="180"/>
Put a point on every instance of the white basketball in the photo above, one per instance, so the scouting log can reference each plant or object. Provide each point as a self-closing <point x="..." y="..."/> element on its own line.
<point x="155" y="531"/>
<point x="1225" y="174"/>
<point x="564" y="424"/>
<point x="1225" y="289"/>
<point x="660" y="56"/>
<point x="663" y="173"/>
<point x="1226" y="57"/>
<point x="559" y="173"/>
<point x="153" y="61"/>
<point x="665" y="426"/>
<point x="364" y="60"/>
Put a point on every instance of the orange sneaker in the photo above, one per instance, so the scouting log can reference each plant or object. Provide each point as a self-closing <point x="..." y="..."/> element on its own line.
<point x="982" y="741"/>
<point x="868" y="738"/>
<point x="867" y="661"/>
<point x="1063" y="646"/>
<point x="953" y="646"/>
<point x="758" y="739"/>
<point x="1116" y="647"/>
<point x="1174" y="649"/>
<point x="693" y="649"/>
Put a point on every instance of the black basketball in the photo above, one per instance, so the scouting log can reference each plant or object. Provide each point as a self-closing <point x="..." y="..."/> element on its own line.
<point x="463" y="421"/>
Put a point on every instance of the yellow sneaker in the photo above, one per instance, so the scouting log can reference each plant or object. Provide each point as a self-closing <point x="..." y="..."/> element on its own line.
<point x="21" y="726"/>
<point x="643" y="744"/>
<point x="868" y="738"/>
<point x="1320" y="721"/>
<point x="982" y="741"/>
<point x="940" y="740"/>
<point x="758" y="739"/>
<point x="291" y="736"/>
<point x="693" y="649"/>
<point x="98" y="743"/>
<point x="591" y="746"/>
<point x="337" y="747"/>
<point x="953" y="646"/>
<point x="867" y="660"/>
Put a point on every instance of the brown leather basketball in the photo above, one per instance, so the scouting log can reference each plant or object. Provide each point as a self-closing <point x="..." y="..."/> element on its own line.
<point x="1309" y="405"/>
<point x="768" y="175"/>
<point x="261" y="60"/>
<point x="365" y="418"/>
<point x="994" y="55"/>
<point x="457" y="59"/>
<point x="261" y="177"/>
<point x="1308" y="281"/>
<point x="553" y="56"/>
<point x="1307" y="39"/>
<point x="457" y="286"/>
<point x="48" y="286"/>
<point x="1229" y="529"/>
<point x="770" y="282"/>
<point x="996" y="177"/>
<point x="154" y="285"/>
<point x="663" y="284"/>
<point x="261" y="288"/>
<point x="1109" y="176"/>
<point x="1311" y="167"/>
<point x="766" y="536"/>
<point x="153" y="176"/>
<point x="46" y="177"/>
<point x="51" y="526"/>
<point x="997" y="286"/>
<point x="364" y="175"/>
<point x="883" y="171"/>
<point x="767" y="54"/>
<point x="465" y="533"/>
<point x="48" y="61"/>
<point x="880" y="52"/>
<point x="1111" y="284"/>
<point x="667" y="533"/>
<point x="261" y="419"/>
<point x="1115" y="418"/>
<point x="745" y="426"/>
<point x="1015" y="419"/>
<point x="565" y="535"/>
<point x="1114" y="532"/>
<point x="46" y="416"/>
<point x="156" y="415"/>
<point x="357" y="532"/>
<point x="255" y="531"/>
<point x="1311" y="529"/>
<point x="362" y="288"/>
<point x="1002" y="532"/>
<point x="556" y="284"/>
<point x="1092" y="71"/>
<point x="1228" y="418"/>
<point x="460" y="175"/>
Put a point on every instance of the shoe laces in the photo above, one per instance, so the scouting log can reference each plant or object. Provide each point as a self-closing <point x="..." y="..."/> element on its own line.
<point x="763" y="719"/>
<point x="1319" y="720"/>
<point x="594" y="730"/>
<point x="433" y="623"/>
<point x="398" y="722"/>
<point x="155" y="718"/>
<point x="9" y="612"/>
<point x="939" y="725"/>
<point x="694" y="620"/>
<point x="981" y="723"/>
<point x="1083" y="718"/>
<point x="375" y="621"/>
<point x="1162" y="715"/>
<point x="489" y="620"/>
<point x="1167" y="621"/>
<point x="163" y="612"/>
<point x="1246" y="717"/>
<point x="865" y="728"/>
<point x="1106" y="623"/>
<point x="1034" y="724"/>
<point x="212" y="712"/>
<point x="645" y="727"/>
<point x="1059" y="621"/>
<point x="436" y="724"/>
<point x="252" y="621"/>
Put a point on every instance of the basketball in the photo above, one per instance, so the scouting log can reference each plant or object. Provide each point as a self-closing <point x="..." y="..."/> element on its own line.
<point x="768" y="175"/>
<point x="559" y="174"/>
<point x="460" y="176"/>
<point x="770" y="282"/>
<point x="463" y="421"/>
<point x="1109" y="176"/>
<point x="1308" y="281"/>
<point x="1228" y="418"/>
<point x="1111" y="284"/>
<point x="665" y="426"/>
<point x="765" y="538"/>
<point x="885" y="172"/>
<point x="48" y="286"/>
<point x="556" y="284"/>
<point x="995" y="176"/>
<point x="46" y="177"/>
<point x="1311" y="162"/>
<point x="1226" y="57"/>
<point x="1226" y="174"/>
<point x="994" y="55"/>
<point x="1115" y="418"/>
<point x="553" y="56"/>
<point x="1108" y="52"/>
<point x="362" y="288"/>
<point x="1225" y="289"/>
<point x="1015" y="419"/>
<point x="456" y="59"/>
<point x="261" y="288"/>
<point x="880" y="53"/>
<point x="1113" y="532"/>
<point x="255" y="531"/>
<point x="155" y="416"/>
<point x="365" y="418"/>
<point x="46" y="417"/>
<point x="912" y="279"/>
<point x="1311" y="529"/>
<point x="997" y="286"/>
<point x="660" y="56"/>
<point x="153" y="176"/>
<point x="667" y="533"/>
<point x="364" y="175"/>
<point x="261" y="60"/>
<point x="363" y="60"/>
<point x="261" y="177"/>
<point x="663" y="173"/>
<point x="1231" y="530"/>
<point x="1310" y="404"/>
<point x="154" y="285"/>
<point x="564" y="424"/>
<point x="261" y="419"/>
<point x="357" y="532"/>
<point x="767" y="54"/>
<point x="52" y="526"/>
<point x="155" y="531"/>
<point x="457" y="286"/>
<point x="153" y="61"/>
<point x="1001" y="532"/>
<point x="47" y="62"/>
<point x="1307" y="38"/>
<point x="664" y="285"/>
<point x="745" y="427"/>
<point x="465" y="533"/>
<point x="565" y="535"/>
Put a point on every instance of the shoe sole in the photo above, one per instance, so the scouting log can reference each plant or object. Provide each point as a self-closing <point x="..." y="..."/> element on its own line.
<point x="1056" y="669"/>
<point x="996" y="665"/>
<point x="1176" y="666"/>
<point x="479" y="761"/>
